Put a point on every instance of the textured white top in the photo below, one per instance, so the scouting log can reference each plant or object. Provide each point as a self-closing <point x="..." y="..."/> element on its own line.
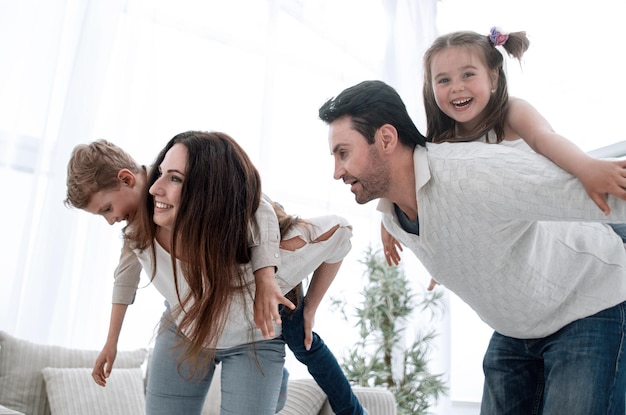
<point x="263" y="241"/>
<point x="296" y="266"/>
<point x="493" y="231"/>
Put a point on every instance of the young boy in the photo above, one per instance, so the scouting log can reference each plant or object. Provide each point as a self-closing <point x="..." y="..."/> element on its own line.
<point x="102" y="179"/>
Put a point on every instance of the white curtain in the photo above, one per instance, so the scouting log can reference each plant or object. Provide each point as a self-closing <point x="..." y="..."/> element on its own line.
<point x="137" y="72"/>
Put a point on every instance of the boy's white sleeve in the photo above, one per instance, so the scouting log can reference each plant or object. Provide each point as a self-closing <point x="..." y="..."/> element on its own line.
<point x="264" y="237"/>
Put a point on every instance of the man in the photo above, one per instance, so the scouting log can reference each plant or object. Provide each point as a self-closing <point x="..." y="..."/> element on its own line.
<point x="488" y="222"/>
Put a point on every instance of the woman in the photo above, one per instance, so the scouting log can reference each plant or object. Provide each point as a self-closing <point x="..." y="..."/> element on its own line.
<point x="194" y="239"/>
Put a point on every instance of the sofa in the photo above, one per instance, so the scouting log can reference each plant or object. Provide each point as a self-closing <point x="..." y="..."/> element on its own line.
<point x="37" y="379"/>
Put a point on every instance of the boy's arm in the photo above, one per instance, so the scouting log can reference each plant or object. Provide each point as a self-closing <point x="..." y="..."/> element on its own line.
<point x="265" y="258"/>
<point x="127" y="277"/>
<point x="599" y="177"/>
<point x="104" y="362"/>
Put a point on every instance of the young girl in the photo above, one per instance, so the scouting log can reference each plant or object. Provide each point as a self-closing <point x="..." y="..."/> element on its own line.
<point x="466" y="99"/>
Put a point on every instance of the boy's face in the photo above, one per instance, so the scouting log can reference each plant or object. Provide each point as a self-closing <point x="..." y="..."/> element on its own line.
<point x="118" y="204"/>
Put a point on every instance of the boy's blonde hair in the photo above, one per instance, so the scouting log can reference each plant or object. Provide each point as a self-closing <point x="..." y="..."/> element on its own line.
<point x="94" y="167"/>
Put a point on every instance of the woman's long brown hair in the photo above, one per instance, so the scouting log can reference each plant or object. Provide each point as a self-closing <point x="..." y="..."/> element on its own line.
<point x="219" y="197"/>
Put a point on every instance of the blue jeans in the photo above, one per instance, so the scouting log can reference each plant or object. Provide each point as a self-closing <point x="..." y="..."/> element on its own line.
<point x="620" y="229"/>
<point x="251" y="380"/>
<point x="321" y="364"/>
<point x="579" y="370"/>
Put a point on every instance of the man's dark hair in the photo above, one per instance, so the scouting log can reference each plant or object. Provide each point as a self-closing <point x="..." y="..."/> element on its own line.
<point x="370" y="105"/>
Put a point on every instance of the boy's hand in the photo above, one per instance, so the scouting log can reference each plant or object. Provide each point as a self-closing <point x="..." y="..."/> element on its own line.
<point x="104" y="363"/>
<point x="390" y="245"/>
<point x="267" y="297"/>
<point x="602" y="177"/>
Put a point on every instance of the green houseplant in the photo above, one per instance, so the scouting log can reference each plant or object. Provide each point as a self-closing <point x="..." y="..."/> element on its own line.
<point x="381" y="356"/>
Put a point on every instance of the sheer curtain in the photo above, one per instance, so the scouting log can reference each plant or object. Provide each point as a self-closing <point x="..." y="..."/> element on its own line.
<point x="137" y="72"/>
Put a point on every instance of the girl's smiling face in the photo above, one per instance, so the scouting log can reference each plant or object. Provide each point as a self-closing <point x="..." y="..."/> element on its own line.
<point x="462" y="86"/>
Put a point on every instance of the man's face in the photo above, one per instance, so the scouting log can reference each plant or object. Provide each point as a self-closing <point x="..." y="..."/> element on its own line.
<point x="358" y="163"/>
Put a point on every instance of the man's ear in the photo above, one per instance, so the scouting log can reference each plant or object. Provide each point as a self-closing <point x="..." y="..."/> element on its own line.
<point x="388" y="137"/>
<point x="126" y="177"/>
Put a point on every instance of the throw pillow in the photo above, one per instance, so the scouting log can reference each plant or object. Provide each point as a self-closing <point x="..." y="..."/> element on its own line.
<point x="6" y="411"/>
<point x="72" y="391"/>
<point x="22" y="387"/>
<point x="304" y="397"/>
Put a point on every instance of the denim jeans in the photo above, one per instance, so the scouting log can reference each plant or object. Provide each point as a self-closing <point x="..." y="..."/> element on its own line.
<point x="579" y="370"/>
<point x="321" y="364"/>
<point x="620" y="229"/>
<point x="251" y="379"/>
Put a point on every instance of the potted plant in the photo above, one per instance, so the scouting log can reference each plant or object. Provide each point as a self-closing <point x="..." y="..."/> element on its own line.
<point x="381" y="356"/>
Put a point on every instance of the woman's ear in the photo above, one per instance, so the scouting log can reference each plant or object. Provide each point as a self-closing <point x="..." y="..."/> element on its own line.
<point x="126" y="177"/>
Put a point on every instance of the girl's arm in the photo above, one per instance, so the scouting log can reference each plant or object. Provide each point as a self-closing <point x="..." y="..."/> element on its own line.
<point x="322" y="277"/>
<point x="390" y="246"/>
<point x="599" y="177"/>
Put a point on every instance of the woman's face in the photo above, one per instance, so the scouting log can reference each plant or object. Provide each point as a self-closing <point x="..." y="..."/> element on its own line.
<point x="167" y="188"/>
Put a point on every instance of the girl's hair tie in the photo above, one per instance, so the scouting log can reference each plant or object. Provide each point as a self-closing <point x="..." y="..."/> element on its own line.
<point x="497" y="38"/>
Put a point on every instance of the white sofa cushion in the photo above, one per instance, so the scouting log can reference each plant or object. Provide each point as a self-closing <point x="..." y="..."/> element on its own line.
<point x="22" y="386"/>
<point x="304" y="397"/>
<point x="6" y="411"/>
<point x="72" y="391"/>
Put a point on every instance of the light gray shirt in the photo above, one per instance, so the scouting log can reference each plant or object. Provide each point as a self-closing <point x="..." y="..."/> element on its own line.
<point x="494" y="229"/>
<point x="296" y="266"/>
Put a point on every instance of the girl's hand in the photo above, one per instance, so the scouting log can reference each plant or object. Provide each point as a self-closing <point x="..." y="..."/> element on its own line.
<point x="390" y="245"/>
<point x="308" y="315"/>
<point x="602" y="177"/>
